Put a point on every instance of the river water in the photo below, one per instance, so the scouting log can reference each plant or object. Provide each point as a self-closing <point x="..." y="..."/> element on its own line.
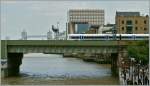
<point x="52" y="69"/>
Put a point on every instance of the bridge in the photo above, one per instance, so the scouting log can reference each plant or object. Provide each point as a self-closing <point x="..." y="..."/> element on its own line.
<point x="25" y="36"/>
<point x="13" y="50"/>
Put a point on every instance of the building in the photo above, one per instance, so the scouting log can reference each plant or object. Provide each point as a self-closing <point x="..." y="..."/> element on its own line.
<point x="107" y="29"/>
<point x="93" y="29"/>
<point x="62" y="35"/>
<point x="80" y="20"/>
<point x="131" y="23"/>
<point x="82" y="28"/>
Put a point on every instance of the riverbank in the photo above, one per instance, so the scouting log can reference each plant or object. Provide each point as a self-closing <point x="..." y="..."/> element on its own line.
<point x="27" y="81"/>
<point x="98" y="58"/>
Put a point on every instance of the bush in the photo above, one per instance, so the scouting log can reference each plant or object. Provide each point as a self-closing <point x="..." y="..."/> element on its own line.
<point x="140" y="51"/>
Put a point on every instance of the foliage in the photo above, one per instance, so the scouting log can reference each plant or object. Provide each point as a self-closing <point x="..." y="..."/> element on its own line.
<point x="140" y="51"/>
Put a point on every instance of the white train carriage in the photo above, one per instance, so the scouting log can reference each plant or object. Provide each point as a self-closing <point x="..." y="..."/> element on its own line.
<point x="90" y="36"/>
<point x="142" y="37"/>
<point x="108" y="36"/>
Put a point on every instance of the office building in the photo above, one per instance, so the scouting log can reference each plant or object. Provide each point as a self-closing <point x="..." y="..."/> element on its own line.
<point x="78" y="18"/>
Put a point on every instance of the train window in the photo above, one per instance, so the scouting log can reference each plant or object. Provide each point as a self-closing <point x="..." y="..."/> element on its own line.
<point x="75" y="37"/>
<point x="118" y="37"/>
<point x="111" y="36"/>
<point x="141" y="37"/>
<point x="126" y="36"/>
<point x="85" y="37"/>
<point x="101" y="37"/>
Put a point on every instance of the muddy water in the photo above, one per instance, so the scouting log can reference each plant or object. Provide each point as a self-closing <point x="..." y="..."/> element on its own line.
<point x="50" y="69"/>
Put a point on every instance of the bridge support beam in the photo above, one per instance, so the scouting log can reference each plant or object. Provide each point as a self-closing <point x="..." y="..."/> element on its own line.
<point x="114" y="66"/>
<point x="14" y="62"/>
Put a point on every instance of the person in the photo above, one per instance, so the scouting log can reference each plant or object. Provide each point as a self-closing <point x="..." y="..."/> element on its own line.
<point x="131" y="82"/>
<point x="124" y="76"/>
<point x="135" y="83"/>
<point x="146" y="81"/>
<point x="128" y="81"/>
<point x="139" y="82"/>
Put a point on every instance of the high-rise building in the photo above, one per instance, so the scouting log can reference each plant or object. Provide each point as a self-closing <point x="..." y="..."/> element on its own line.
<point x="78" y="18"/>
<point x="131" y="23"/>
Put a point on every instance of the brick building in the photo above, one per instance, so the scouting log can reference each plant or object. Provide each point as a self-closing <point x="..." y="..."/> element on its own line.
<point x="131" y="23"/>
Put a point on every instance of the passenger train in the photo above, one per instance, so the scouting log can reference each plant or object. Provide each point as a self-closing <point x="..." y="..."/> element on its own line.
<point x="108" y="36"/>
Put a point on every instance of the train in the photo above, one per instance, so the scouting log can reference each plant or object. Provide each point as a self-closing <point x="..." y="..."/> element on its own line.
<point x="108" y="37"/>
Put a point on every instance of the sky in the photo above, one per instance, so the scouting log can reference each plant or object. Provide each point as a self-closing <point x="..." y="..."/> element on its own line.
<point x="37" y="17"/>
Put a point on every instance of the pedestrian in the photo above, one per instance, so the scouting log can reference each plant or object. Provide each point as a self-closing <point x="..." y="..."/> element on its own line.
<point x="131" y="82"/>
<point x="139" y="82"/>
<point x="124" y="76"/>
<point x="128" y="81"/>
<point x="146" y="81"/>
<point x="135" y="83"/>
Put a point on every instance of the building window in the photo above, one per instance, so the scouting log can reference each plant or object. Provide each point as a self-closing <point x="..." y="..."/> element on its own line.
<point x="144" y="21"/>
<point x="145" y="29"/>
<point x="129" y="30"/>
<point x="136" y="21"/>
<point x="122" y="22"/>
<point x="122" y="28"/>
<point x="136" y="28"/>
<point x="129" y="22"/>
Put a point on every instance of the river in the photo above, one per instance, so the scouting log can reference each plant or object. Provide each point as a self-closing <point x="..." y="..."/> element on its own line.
<point x="52" y="69"/>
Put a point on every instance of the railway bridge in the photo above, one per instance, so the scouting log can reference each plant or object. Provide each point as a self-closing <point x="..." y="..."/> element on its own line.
<point x="13" y="50"/>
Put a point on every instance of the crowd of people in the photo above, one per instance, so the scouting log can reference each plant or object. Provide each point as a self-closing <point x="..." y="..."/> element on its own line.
<point x="133" y="73"/>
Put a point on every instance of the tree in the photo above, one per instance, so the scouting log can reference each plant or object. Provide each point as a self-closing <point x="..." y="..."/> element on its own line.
<point x="140" y="51"/>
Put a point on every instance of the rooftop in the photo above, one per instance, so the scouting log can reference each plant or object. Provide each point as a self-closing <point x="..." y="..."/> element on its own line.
<point x="127" y="13"/>
<point x="86" y="10"/>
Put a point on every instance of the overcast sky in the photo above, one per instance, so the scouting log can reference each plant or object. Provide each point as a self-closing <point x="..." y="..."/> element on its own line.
<point x="36" y="17"/>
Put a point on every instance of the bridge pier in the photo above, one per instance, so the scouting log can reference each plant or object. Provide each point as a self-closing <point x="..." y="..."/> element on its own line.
<point x="114" y="66"/>
<point x="14" y="62"/>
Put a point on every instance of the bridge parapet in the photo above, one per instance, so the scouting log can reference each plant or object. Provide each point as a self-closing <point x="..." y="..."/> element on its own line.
<point x="69" y="42"/>
<point x="59" y="45"/>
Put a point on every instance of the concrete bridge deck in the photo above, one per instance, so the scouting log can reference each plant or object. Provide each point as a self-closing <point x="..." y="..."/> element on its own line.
<point x="60" y="46"/>
<point x="13" y="50"/>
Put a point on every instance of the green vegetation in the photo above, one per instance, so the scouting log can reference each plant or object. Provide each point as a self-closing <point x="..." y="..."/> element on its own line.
<point x="140" y="51"/>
